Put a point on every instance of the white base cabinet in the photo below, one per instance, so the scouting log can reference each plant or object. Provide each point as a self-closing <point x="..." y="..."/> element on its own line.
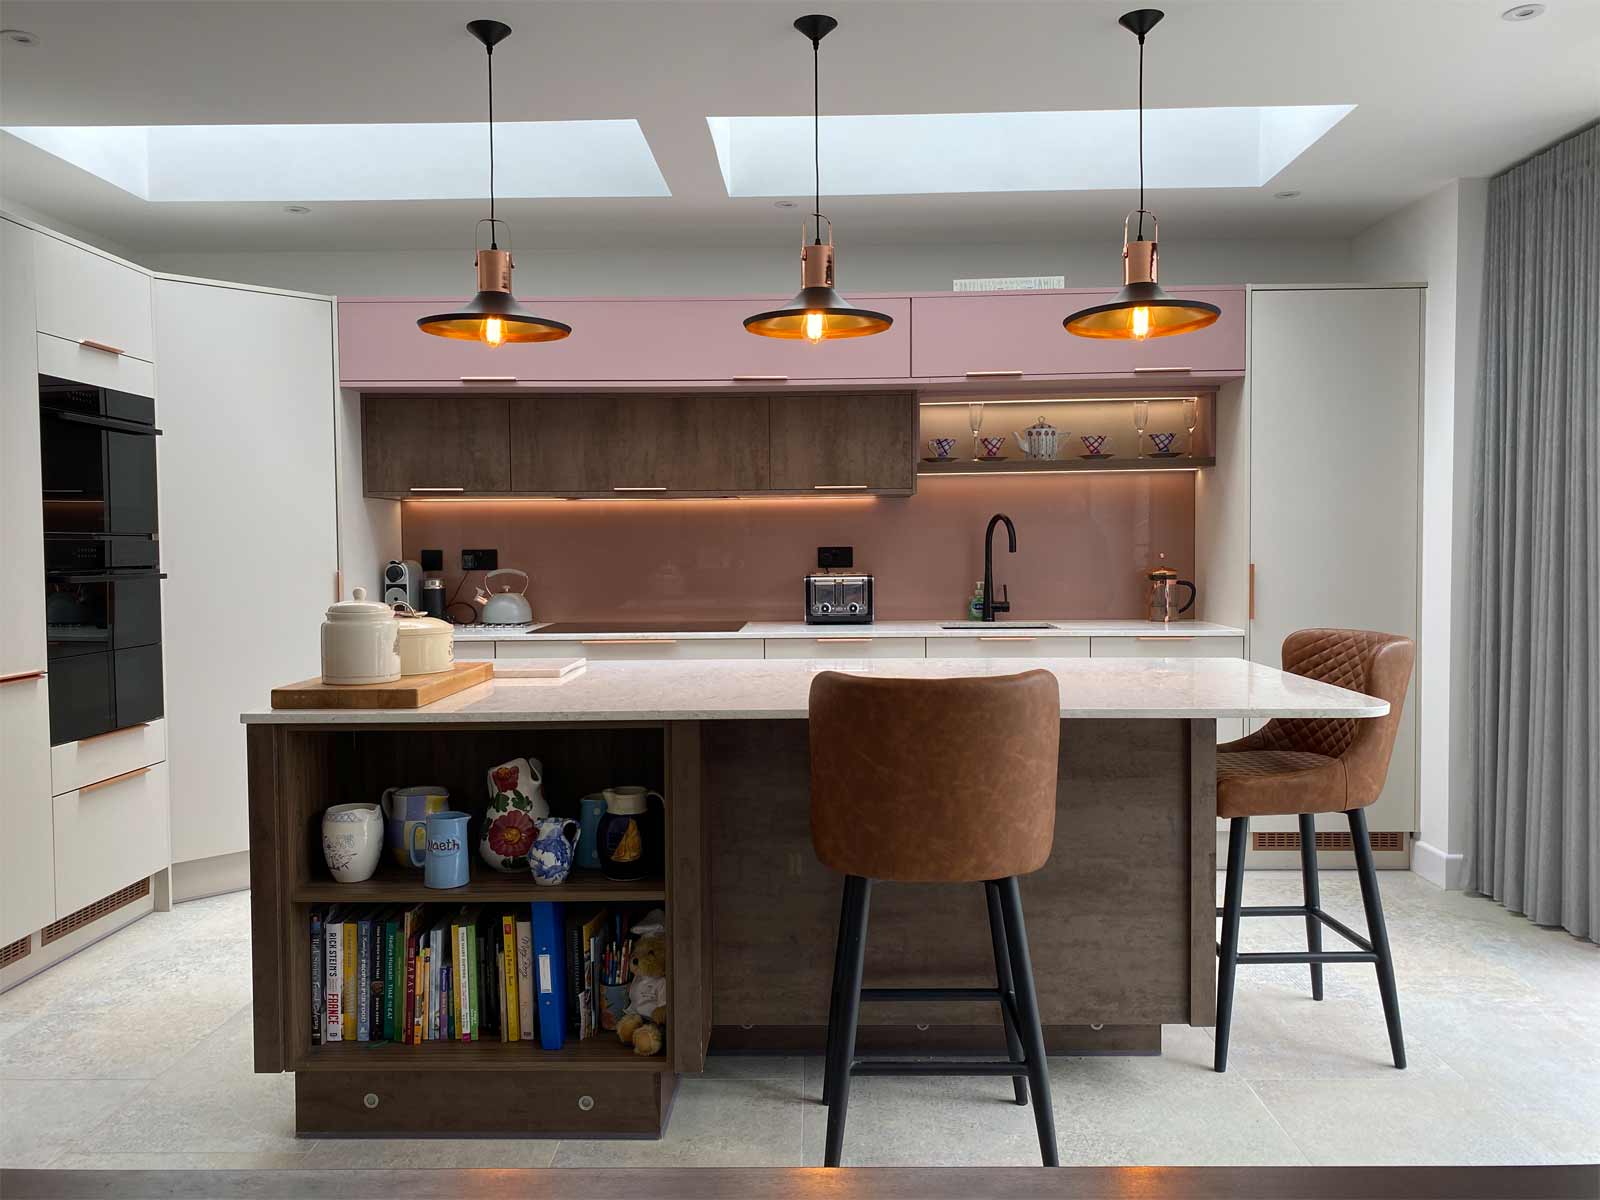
<point x="27" y="858"/>
<point x="109" y="834"/>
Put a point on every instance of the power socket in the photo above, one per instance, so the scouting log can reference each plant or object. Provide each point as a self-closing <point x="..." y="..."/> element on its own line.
<point x="480" y="560"/>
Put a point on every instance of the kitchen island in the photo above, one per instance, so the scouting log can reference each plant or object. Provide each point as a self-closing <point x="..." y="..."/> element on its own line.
<point x="1120" y="919"/>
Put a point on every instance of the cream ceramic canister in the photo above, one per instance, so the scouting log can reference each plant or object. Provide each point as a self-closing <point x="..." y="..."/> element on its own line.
<point x="516" y="802"/>
<point x="352" y="839"/>
<point x="360" y="642"/>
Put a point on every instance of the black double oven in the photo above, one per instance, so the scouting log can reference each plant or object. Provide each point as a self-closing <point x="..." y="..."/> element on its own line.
<point x="102" y="558"/>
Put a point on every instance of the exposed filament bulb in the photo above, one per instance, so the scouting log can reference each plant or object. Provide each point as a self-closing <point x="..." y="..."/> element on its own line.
<point x="494" y="332"/>
<point x="813" y="327"/>
<point x="1141" y="323"/>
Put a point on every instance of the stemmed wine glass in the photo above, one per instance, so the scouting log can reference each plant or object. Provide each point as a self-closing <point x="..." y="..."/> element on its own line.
<point x="1141" y="422"/>
<point x="1191" y="417"/>
<point x="975" y="423"/>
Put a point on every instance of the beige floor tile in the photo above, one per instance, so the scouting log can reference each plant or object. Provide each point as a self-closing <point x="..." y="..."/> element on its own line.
<point x="428" y="1153"/>
<point x="222" y="1161"/>
<point x="42" y="1119"/>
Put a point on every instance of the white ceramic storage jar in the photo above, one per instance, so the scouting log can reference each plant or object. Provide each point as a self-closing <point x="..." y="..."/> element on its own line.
<point x="360" y="642"/>
<point x="427" y="645"/>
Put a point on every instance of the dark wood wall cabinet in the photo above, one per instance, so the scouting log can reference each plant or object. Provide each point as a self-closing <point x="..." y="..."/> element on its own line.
<point x="638" y="444"/>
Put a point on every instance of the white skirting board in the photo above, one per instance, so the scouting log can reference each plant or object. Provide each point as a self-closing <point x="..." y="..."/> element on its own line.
<point x="1438" y="868"/>
<point x="202" y="877"/>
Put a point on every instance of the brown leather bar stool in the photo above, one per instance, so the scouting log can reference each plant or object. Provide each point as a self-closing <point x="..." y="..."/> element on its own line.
<point x="902" y="792"/>
<point x="1304" y="767"/>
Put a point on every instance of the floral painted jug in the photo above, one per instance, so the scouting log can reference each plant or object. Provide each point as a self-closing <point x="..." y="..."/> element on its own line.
<point x="516" y="802"/>
<point x="554" y="845"/>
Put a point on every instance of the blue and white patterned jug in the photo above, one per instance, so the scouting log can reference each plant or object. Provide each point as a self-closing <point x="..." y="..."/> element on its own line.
<point x="555" y="841"/>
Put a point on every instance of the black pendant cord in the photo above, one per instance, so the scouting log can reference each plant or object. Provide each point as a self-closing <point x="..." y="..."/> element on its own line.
<point x="816" y="133"/>
<point x="1141" y="138"/>
<point x="494" y="243"/>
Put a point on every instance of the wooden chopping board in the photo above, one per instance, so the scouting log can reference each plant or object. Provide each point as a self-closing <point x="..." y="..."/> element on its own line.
<point x="409" y="691"/>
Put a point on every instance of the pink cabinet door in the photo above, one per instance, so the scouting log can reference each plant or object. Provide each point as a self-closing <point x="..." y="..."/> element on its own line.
<point x="676" y="340"/>
<point x="999" y="336"/>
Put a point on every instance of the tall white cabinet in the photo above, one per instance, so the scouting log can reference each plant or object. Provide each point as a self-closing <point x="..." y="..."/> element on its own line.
<point x="1314" y="518"/>
<point x="248" y="528"/>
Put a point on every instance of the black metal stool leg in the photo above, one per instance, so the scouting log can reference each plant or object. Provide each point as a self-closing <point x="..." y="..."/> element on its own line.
<point x="1378" y="933"/>
<point x="1028" y="1018"/>
<point x="833" y="1000"/>
<point x="842" y="1050"/>
<point x="1313" y="896"/>
<point x="1002" y="971"/>
<point x="1228" y="952"/>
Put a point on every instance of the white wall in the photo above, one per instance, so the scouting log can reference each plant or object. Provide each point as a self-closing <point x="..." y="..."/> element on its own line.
<point x="1439" y="240"/>
<point x="690" y="270"/>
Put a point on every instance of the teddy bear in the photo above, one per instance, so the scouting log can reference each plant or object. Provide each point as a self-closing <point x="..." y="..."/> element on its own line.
<point x="644" y="1021"/>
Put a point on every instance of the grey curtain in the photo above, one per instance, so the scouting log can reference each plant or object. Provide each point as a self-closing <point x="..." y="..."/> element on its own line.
<point x="1534" y="603"/>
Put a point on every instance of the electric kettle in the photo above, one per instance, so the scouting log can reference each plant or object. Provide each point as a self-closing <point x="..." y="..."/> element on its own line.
<point x="504" y="607"/>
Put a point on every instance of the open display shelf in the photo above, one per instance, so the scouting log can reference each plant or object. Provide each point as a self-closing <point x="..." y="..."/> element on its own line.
<point x="969" y="466"/>
<point x="393" y="884"/>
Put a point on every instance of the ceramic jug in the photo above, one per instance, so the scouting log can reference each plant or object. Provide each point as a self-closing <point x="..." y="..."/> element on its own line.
<point x="516" y="801"/>
<point x="404" y="809"/>
<point x="352" y="839"/>
<point x="1038" y="440"/>
<point x="554" y="845"/>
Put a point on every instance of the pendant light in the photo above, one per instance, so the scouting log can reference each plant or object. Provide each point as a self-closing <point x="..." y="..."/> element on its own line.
<point x="1141" y="309"/>
<point x="817" y="313"/>
<point x="493" y="316"/>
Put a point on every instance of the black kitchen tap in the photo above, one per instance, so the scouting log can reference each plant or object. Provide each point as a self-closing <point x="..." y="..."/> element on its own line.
<point x="990" y="604"/>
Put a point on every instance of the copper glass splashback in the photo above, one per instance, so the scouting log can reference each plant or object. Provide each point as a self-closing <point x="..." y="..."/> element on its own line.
<point x="590" y="627"/>
<point x="1084" y="546"/>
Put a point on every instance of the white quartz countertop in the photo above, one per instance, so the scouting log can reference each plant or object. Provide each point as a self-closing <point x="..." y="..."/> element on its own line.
<point x="774" y="689"/>
<point x="883" y="629"/>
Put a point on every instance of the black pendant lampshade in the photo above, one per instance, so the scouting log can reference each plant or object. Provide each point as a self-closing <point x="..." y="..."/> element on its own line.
<point x="1141" y="309"/>
<point x="817" y="313"/>
<point x="493" y="316"/>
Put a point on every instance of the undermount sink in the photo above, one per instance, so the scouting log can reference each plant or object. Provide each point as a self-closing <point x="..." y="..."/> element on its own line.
<point x="997" y="625"/>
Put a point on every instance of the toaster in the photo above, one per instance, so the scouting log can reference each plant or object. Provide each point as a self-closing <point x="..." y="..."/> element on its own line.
<point x="838" y="599"/>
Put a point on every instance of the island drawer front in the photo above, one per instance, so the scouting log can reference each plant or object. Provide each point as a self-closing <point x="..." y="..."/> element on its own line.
<point x="474" y="650"/>
<point x="642" y="649"/>
<point x="847" y="646"/>
<point x="1008" y="645"/>
<point x="108" y="835"/>
<point x="77" y="764"/>
<point x="482" y="1103"/>
<point x="1168" y="646"/>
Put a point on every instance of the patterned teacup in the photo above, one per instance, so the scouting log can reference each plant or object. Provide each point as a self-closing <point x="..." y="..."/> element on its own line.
<point x="1162" y="441"/>
<point x="1093" y="441"/>
<point x="992" y="446"/>
<point x="941" y="447"/>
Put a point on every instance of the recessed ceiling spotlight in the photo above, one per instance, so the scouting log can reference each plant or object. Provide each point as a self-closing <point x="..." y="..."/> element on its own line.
<point x="20" y="36"/>
<point x="297" y="209"/>
<point x="1522" y="12"/>
<point x="1286" y="195"/>
<point x="784" y="204"/>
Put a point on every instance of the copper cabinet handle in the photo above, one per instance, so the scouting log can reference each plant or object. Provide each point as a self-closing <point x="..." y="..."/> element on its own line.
<point x="646" y="641"/>
<point x="20" y="677"/>
<point x="841" y="639"/>
<point x="488" y="378"/>
<point x="436" y="489"/>
<point x="1162" y="370"/>
<point x="994" y="374"/>
<point x="761" y="379"/>
<point x="639" y="487"/>
<point x="133" y="774"/>
<point x="115" y="732"/>
<point x="839" y="487"/>
<point x="1164" y="637"/>
<point x="103" y="347"/>
<point x="1004" y="637"/>
<point x="1252" y="591"/>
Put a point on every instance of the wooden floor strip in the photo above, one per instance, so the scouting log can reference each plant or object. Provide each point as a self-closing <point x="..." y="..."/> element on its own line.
<point x="876" y="1183"/>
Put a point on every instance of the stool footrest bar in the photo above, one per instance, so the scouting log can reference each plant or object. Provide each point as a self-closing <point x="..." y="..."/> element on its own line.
<point x="917" y="1067"/>
<point x="1303" y="957"/>
<point x="932" y="994"/>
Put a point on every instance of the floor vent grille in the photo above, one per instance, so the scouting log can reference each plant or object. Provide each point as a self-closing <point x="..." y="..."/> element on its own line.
<point x="1288" y="840"/>
<point x="16" y="951"/>
<point x="57" y="930"/>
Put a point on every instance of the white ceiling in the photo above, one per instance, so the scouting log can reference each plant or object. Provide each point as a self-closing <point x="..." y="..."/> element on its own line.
<point x="1443" y="89"/>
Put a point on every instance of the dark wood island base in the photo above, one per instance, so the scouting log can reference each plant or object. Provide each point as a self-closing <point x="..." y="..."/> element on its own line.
<point x="1121" y="918"/>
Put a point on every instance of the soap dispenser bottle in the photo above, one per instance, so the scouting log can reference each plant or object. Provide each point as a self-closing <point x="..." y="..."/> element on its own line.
<point x="975" y="605"/>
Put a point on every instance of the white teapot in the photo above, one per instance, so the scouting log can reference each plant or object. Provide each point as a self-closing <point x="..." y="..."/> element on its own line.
<point x="1039" y="439"/>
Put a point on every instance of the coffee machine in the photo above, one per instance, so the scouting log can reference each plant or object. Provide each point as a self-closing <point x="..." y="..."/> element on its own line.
<point x="402" y="583"/>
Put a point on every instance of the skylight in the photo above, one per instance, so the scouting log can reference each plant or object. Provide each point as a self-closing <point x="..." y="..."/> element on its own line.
<point x="1017" y="151"/>
<point x="536" y="159"/>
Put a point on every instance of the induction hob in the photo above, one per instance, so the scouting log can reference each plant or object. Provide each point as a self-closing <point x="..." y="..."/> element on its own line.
<point x="664" y="627"/>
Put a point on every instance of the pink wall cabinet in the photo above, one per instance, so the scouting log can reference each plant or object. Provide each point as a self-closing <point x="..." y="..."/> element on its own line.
<point x="615" y="341"/>
<point x="1011" y="335"/>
